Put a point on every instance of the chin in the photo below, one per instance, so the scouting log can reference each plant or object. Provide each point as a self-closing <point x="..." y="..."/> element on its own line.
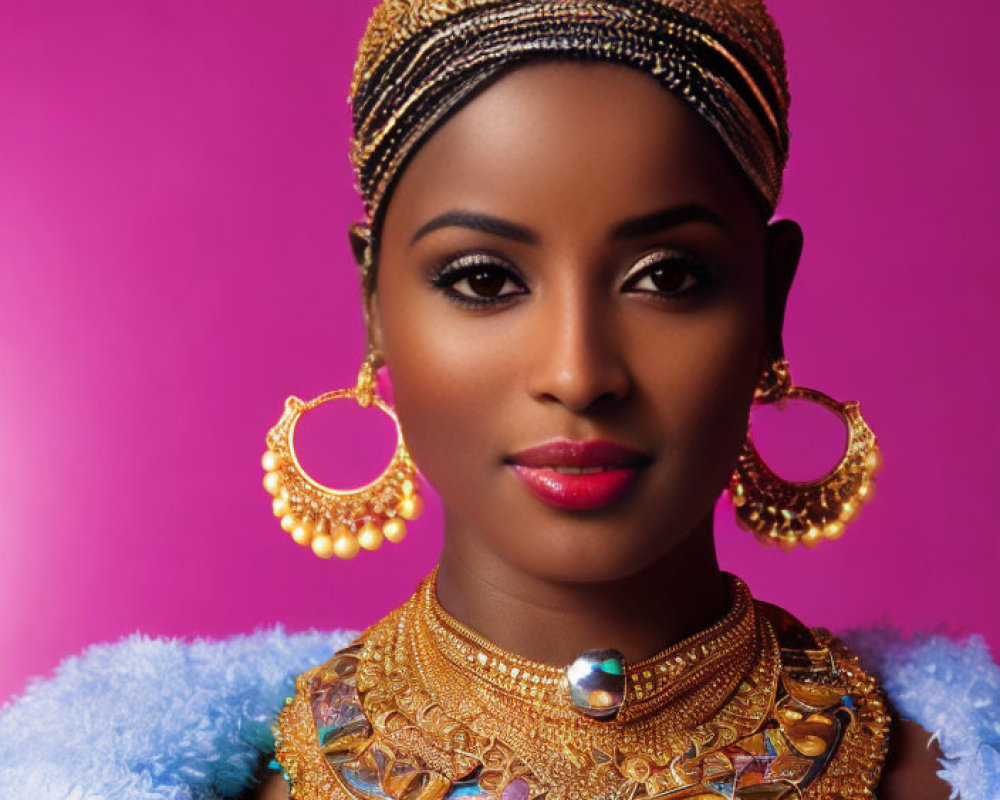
<point x="572" y="552"/>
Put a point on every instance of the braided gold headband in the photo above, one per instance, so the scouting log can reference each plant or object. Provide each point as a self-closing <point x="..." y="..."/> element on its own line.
<point x="419" y="59"/>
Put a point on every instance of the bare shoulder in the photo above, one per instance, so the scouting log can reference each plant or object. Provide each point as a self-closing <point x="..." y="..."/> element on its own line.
<point x="911" y="767"/>
<point x="270" y="785"/>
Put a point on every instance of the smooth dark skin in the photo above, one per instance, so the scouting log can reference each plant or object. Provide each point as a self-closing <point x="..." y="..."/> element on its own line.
<point x="587" y="168"/>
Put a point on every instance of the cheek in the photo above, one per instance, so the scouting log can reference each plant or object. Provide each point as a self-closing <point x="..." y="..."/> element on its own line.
<point x="443" y="384"/>
<point x="704" y="382"/>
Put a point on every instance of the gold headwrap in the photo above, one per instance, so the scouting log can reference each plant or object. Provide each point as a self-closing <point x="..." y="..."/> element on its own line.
<point x="419" y="59"/>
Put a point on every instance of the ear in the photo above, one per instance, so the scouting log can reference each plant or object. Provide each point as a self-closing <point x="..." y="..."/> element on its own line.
<point x="783" y="248"/>
<point x="359" y="235"/>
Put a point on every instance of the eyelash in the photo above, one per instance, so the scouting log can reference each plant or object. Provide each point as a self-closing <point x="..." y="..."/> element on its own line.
<point x="646" y="266"/>
<point x="468" y="265"/>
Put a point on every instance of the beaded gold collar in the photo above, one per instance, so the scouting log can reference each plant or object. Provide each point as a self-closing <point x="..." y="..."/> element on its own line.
<point x="453" y="654"/>
<point x="421" y="707"/>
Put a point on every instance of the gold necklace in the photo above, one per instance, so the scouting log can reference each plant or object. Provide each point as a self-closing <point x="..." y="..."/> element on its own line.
<point x="422" y="707"/>
<point x="688" y="690"/>
<point x="729" y="646"/>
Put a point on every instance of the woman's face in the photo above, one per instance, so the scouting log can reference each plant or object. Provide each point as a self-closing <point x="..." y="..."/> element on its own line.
<point x="573" y="257"/>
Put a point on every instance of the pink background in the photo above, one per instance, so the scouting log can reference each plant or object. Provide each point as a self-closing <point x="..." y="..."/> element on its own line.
<point x="174" y="190"/>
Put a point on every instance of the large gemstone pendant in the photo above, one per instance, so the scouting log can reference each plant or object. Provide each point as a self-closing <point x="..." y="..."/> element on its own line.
<point x="597" y="683"/>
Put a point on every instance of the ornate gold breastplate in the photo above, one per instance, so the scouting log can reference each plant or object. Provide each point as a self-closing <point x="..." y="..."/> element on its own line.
<point x="422" y="708"/>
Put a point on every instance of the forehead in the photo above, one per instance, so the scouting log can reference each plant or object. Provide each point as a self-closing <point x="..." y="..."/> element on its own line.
<point x="587" y="140"/>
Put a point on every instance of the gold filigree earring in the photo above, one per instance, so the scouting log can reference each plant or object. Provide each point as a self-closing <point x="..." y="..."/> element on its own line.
<point x="788" y="512"/>
<point x="335" y="521"/>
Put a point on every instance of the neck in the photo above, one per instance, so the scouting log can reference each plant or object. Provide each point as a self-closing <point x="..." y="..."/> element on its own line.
<point x="553" y="622"/>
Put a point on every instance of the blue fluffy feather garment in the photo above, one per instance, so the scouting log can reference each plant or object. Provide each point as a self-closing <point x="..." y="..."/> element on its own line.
<point x="169" y="719"/>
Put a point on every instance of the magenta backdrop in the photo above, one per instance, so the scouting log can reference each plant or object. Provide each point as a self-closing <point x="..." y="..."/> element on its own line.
<point x="174" y="189"/>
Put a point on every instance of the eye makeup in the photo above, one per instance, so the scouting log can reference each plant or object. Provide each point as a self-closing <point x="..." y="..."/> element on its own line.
<point x="671" y="275"/>
<point x="482" y="279"/>
<point x="478" y="280"/>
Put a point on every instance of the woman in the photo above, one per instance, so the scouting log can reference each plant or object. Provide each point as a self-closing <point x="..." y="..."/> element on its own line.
<point x="571" y="277"/>
<point x="570" y="273"/>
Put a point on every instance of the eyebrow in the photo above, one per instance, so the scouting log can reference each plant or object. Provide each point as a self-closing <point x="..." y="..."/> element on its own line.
<point x="478" y="222"/>
<point x="657" y="221"/>
<point x="633" y="228"/>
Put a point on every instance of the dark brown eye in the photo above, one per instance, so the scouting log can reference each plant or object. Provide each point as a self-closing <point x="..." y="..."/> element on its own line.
<point x="486" y="282"/>
<point x="479" y="279"/>
<point x="667" y="275"/>
<point x="670" y="278"/>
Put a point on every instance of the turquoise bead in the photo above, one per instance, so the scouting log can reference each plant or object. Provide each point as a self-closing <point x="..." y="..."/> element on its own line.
<point x="613" y="666"/>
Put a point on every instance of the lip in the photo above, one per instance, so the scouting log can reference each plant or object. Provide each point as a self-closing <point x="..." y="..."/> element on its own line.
<point x="611" y="472"/>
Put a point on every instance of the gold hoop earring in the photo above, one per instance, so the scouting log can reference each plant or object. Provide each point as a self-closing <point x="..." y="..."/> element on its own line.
<point x="334" y="521"/>
<point x="788" y="512"/>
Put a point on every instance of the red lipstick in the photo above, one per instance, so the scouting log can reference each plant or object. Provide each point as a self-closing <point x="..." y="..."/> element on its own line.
<point x="579" y="475"/>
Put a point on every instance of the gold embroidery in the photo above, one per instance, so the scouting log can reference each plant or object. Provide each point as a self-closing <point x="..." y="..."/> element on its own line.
<point x="421" y="708"/>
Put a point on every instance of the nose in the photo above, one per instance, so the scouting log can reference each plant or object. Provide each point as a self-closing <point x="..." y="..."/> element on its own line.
<point x="577" y="359"/>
